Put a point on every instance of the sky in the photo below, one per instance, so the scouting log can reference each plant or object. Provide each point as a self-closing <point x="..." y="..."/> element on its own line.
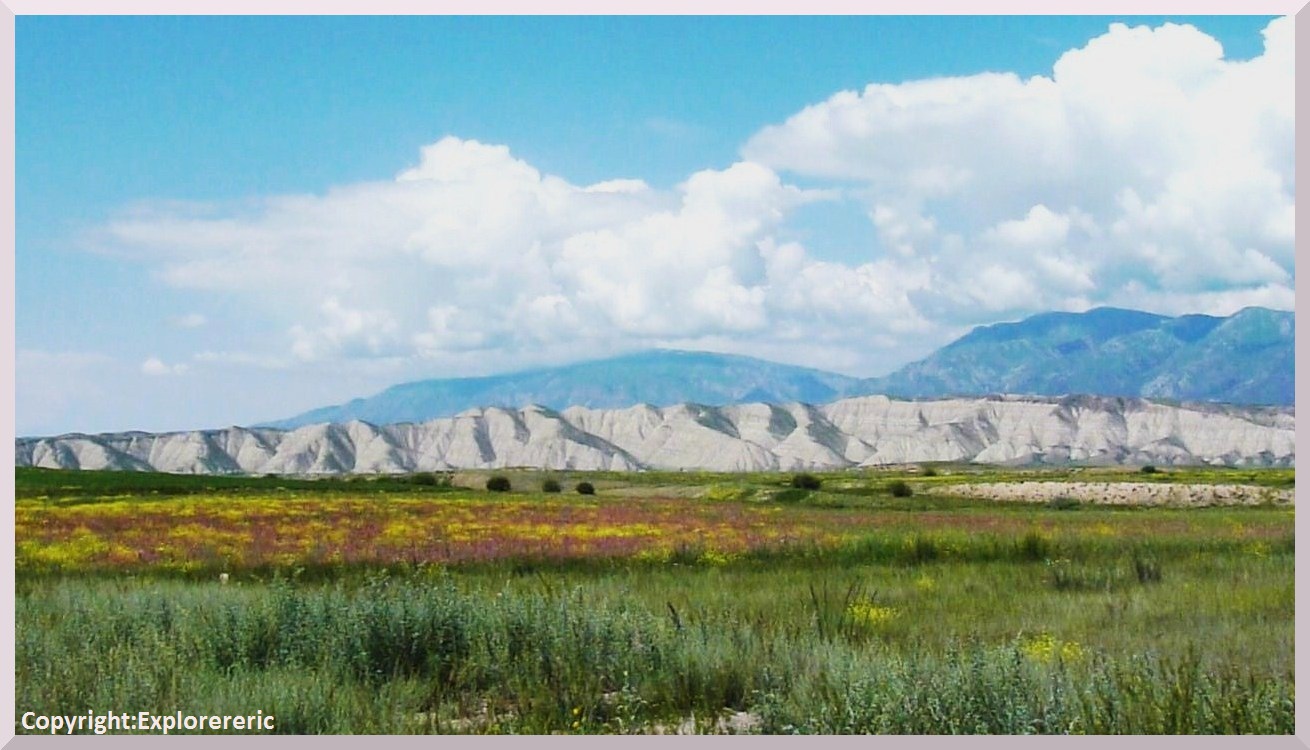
<point x="228" y="220"/>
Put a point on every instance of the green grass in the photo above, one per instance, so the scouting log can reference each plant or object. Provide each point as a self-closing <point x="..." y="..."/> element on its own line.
<point x="1018" y="619"/>
<point x="501" y="648"/>
<point x="68" y="484"/>
<point x="56" y="483"/>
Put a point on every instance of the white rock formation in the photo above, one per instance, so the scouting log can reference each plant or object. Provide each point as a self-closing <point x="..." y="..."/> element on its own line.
<point x="864" y="431"/>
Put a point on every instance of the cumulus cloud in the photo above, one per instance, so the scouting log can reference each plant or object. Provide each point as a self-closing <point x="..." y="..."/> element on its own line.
<point x="1145" y="161"/>
<point x="1145" y="170"/>
<point x="473" y="249"/>
<point x="156" y="367"/>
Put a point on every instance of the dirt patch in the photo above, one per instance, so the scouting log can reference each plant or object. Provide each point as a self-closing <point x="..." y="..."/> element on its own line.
<point x="1124" y="493"/>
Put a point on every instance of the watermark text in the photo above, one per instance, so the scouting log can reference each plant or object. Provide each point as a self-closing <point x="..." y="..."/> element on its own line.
<point x="144" y="721"/>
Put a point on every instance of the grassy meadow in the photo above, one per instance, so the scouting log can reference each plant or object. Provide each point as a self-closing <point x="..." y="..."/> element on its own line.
<point x="665" y="602"/>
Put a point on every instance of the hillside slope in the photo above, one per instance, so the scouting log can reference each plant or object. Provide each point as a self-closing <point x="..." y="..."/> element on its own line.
<point x="1247" y="358"/>
<point x="864" y="431"/>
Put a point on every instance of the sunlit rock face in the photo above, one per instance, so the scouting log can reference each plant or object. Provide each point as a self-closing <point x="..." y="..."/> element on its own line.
<point x="866" y="431"/>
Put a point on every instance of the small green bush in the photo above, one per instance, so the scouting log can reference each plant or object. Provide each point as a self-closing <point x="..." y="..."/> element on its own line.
<point x="586" y="488"/>
<point x="1149" y="469"/>
<point x="550" y="485"/>
<point x="1147" y="570"/>
<point x="806" y="482"/>
<point x="498" y="483"/>
<point x="928" y="471"/>
<point x="425" y="480"/>
<point x="791" y="495"/>
<point x="1063" y="502"/>
<point x="1034" y="547"/>
<point x="899" y="488"/>
<point x="922" y="549"/>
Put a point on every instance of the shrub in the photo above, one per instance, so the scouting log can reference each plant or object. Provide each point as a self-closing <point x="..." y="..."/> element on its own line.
<point x="1149" y="469"/>
<point x="586" y="488"/>
<point x="498" y="483"/>
<point x="1034" y="547"/>
<point x="791" y="495"/>
<point x="899" y="488"/>
<point x="426" y="480"/>
<point x="1147" y="570"/>
<point x="550" y="485"/>
<point x="928" y="471"/>
<point x="806" y="482"/>
<point x="922" y="549"/>
<point x="1063" y="502"/>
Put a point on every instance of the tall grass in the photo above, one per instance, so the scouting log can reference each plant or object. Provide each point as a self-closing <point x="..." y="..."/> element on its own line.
<point x="923" y="615"/>
<point x="927" y="647"/>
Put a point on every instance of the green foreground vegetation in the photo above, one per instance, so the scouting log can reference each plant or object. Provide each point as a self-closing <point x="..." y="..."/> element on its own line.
<point x="941" y="616"/>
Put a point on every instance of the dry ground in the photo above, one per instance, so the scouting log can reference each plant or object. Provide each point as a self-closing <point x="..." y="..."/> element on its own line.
<point x="1125" y="493"/>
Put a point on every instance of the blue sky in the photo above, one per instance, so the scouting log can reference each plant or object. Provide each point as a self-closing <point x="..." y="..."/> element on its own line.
<point x="211" y="228"/>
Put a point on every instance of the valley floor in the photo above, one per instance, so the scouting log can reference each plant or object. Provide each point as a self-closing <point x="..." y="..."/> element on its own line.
<point x="882" y="601"/>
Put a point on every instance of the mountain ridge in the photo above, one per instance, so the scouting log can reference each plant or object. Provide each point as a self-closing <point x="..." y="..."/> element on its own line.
<point x="862" y="431"/>
<point x="1246" y="358"/>
<point x="661" y="377"/>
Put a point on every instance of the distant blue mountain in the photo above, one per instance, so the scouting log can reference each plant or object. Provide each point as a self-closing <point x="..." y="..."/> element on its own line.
<point x="658" y="377"/>
<point x="1243" y="359"/>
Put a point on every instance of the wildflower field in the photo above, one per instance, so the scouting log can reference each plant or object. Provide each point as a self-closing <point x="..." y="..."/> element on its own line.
<point x="665" y="602"/>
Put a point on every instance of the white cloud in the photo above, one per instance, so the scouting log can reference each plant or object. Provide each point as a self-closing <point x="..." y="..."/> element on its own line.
<point x="156" y="367"/>
<point x="345" y="331"/>
<point x="1144" y="161"/>
<point x="474" y="250"/>
<point x="1145" y="170"/>
<point x="1041" y="229"/>
<point x="242" y="359"/>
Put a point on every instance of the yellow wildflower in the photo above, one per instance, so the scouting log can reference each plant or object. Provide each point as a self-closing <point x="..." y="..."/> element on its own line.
<point x="1045" y="648"/>
<point x="871" y="615"/>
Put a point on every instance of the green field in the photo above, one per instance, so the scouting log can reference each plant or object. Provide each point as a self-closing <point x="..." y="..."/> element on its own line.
<point x="665" y="602"/>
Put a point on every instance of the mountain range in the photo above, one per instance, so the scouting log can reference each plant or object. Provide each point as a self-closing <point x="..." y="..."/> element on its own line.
<point x="865" y="431"/>
<point x="659" y="377"/>
<point x="1247" y="358"/>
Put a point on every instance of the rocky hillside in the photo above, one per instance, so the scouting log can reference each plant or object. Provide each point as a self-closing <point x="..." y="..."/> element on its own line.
<point x="747" y="437"/>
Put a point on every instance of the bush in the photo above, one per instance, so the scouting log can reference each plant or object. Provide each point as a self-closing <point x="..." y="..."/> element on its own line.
<point x="1149" y="469"/>
<point x="1147" y="570"/>
<point x="498" y="483"/>
<point x="1063" y="502"/>
<point x="426" y="480"/>
<point x="1034" y="547"/>
<point x="928" y="471"/>
<point x="899" y="488"/>
<point x="806" y="482"/>
<point x="922" y="549"/>
<point x="586" y="488"/>
<point x="550" y="485"/>
<point x="791" y="495"/>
